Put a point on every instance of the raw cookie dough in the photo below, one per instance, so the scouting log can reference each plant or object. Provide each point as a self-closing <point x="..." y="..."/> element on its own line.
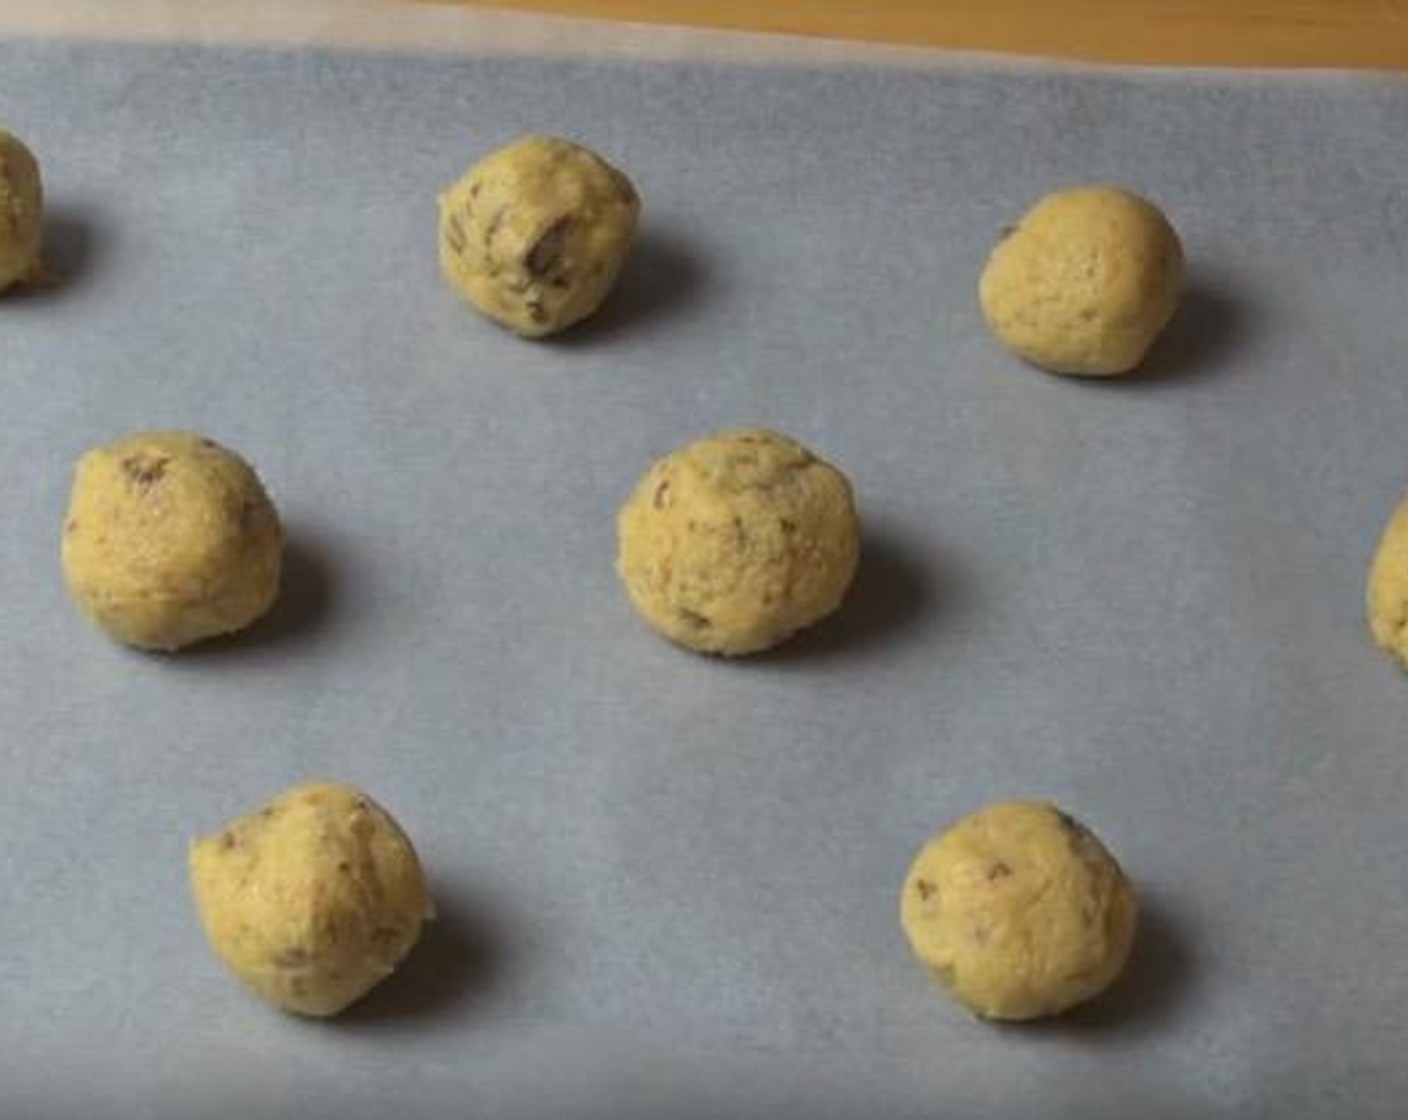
<point x="1019" y="911"/>
<point x="534" y="234"/>
<point x="1387" y="596"/>
<point x="313" y="899"/>
<point x="1085" y="281"/>
<point x="170" y="538"/>
<point x="21" y="212"/>
<point x="735" y="542"/>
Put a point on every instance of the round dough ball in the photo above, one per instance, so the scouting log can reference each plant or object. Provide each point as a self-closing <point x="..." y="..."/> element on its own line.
<point x="737" y="541"/>
<point x="1387" y="596"/>
<point x="170" y="538"/>
<point x="534" y="234"/>
<point x="21" y="212"/>
<point x="313" y="899"/>
<point x="1019" y="911"/>
<point x="1085" y="282"/>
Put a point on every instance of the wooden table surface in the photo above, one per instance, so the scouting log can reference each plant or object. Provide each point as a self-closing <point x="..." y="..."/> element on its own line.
<point x="1353" y="33"/>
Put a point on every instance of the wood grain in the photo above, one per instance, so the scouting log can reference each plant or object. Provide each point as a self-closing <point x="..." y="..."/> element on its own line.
<point x="1281" y="33"/>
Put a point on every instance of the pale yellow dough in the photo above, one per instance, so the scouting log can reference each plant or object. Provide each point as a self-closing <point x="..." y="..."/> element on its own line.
<point x="169" y="539"/>
<point x="21" y="212"/>
<point x="1019" y="911"/>
<point x="1085" y="282"/>
<point x="1387" y="595"/>
<point x="313" y="899"/>
<point x="534" y="234"/>
<point x="737" y="541"/>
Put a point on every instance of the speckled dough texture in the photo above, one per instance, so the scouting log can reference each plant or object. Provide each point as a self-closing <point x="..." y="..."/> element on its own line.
<point x="737" y="541"/>
<point x="534" y="234"/>
<point x="170" y="538"/>
<point x="1387" y="594"/>
<point x="21" y="212"/>
<point x="1085" y="282"/>
<point x="1019" y="911"/>
<point x="312" y="899"/>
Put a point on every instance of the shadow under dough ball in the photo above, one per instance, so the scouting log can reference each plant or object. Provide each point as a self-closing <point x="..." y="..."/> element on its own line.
<point x="534" y="234"/>
<point x="735" y="542"/>
<point x="170" y="538"/>
<point x="1387" y="593"/>
<point x="1019" y="911"/>
<point x="21" y="212"/>
<point x="313" y="899"/>
<point x="1084" y="282"/>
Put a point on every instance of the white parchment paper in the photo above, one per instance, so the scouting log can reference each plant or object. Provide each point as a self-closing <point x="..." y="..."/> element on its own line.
<point x="668" y="884"/>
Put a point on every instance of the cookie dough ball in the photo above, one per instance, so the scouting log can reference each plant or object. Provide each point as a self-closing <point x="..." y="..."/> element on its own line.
<point x="169" y="539"/>
<point x="534" y="234"/>
<point x="1388" y="587"/>
<point x="1085" y="282"/>
<point x="313" y="899"/>
<point x="21" y="212"/>
<point x="1019" y="911"/>
<point x="737" y="541"/>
